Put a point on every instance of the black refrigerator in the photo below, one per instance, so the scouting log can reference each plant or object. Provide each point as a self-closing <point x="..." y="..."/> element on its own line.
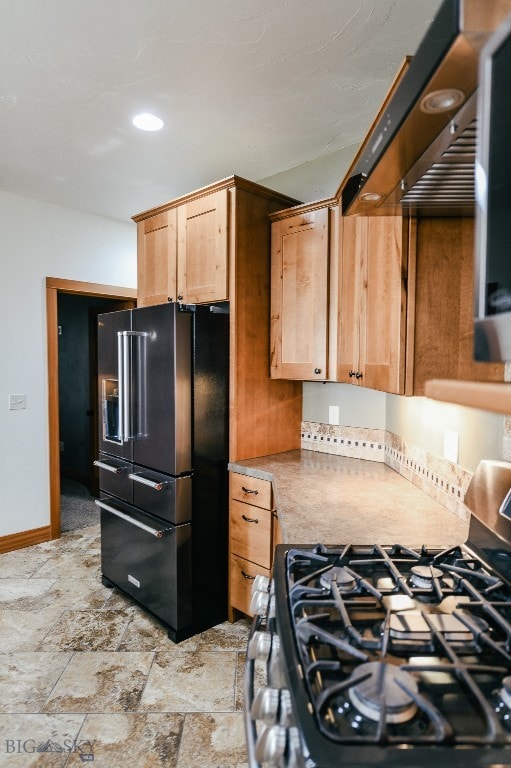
<point x="163" y="449"/>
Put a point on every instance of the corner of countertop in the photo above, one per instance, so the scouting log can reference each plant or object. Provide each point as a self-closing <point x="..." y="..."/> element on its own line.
<point x="241" y="469"/>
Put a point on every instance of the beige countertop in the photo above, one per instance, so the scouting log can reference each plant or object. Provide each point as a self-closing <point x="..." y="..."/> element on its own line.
<point x="337" y="500"/>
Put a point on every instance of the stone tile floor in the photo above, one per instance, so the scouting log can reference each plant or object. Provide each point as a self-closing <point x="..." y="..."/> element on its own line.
<point x="86" y="676"/>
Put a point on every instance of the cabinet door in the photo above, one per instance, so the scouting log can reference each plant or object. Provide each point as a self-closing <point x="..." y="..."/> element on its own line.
<point x="156" y="257"/>
<point x="203" y="249"/>
<point x="299" y="296"/>
<point x="352" y="268"/>
<point x="383" y="320"/>
<point x="373" y="303"/>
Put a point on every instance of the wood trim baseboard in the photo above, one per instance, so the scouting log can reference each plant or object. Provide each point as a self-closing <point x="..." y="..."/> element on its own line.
<point x="24" y="539"/>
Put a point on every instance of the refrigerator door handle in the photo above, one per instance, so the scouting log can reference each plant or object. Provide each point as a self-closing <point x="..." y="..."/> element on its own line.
<point x="156" y="486"/>
<point x="121" y="373"/>
<point x="158" y="533"/>
<point x="126" y="370"/>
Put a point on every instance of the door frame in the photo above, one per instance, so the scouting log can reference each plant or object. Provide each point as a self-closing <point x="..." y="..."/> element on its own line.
<point x="54" y="286"/>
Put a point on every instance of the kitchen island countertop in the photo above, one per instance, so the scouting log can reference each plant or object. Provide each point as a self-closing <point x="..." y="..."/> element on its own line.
<point x="337" y="500"/>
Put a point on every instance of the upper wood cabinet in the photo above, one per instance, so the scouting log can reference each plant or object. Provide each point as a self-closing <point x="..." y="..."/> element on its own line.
<point x="156" y="258"/>
<point x="183" y="252"/>
<point x="299" y="296"/>
<point x="373" y="270"/>
<point x="202" y="249"/>
<point x="440" y="317"/>
<point x="215" y="245"/>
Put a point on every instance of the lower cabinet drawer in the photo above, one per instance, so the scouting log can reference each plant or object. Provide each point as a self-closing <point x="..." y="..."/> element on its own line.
<point x="250" y="531"/>
<point x="241" y="577"/>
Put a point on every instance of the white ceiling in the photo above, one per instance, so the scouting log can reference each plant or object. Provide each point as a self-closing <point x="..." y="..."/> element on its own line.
<point x="252" y="87"/>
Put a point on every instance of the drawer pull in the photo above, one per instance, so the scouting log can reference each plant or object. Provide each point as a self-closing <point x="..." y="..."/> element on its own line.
<point x="247" y="576"/>
<point x="159" y="533"/>
<point x="248" y="490"/>
<point x="249" y="519"/>
<point x="109" y="467"/>
<point x="157" y="486"/>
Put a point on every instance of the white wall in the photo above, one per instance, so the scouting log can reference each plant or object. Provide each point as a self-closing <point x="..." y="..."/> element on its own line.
<point x="316" y="180"/>
<point x="39" y="241"/>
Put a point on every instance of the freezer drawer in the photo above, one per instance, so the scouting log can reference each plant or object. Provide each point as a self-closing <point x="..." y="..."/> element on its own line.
<point x="114" y="476"/>
<point x="148" y="559"/>
<point x="162" y="495"/>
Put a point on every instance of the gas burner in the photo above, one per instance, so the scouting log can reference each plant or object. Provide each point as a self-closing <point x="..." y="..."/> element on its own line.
<point x="379" y="686"/>
<point x="422" y="576"/>
<point x="343" y="578"/>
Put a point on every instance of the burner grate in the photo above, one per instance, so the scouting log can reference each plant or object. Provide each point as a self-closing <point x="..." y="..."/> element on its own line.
<point x="402" y="646"/>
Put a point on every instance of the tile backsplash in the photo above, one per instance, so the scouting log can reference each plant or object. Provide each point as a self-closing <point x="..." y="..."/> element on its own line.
<point x="439" y="478"/>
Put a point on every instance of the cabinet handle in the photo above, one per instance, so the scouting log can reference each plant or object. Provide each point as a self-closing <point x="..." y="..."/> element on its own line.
<point x="351" y="374"/>
<point x="248" y="490"/>
<point x="317" y="370"/>
<point x="169" y="298"/>
<point x="249" y="519"/>
<point x="358" y="375"/>
<point x="180" y="298"/>
<point x="247" y="576"/>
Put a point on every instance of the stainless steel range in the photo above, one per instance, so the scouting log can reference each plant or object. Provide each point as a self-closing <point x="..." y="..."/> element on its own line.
<point x="387" y="654"/>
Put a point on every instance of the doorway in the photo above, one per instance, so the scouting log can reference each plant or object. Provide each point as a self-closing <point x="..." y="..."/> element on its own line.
<point x="74" y="307"/>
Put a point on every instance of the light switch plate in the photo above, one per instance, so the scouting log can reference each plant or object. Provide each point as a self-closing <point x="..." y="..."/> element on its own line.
<point x="17" y="402"/>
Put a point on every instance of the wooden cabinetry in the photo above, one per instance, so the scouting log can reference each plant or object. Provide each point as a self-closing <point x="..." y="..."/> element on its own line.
<point x="299" y="295"/>
<point x="373" y="299"/>
<point x="183" y="252"/>
<point x="202" y="249"/>
<point x="339" y="297"/>
<point x="251" y="537"/>
<point x="217" y="241"/>
<point x="157" y="258"/>
<point x="440" y="318"/>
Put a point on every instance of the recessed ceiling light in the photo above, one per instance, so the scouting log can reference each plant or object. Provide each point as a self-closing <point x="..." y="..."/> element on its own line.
<point x="147" y="122"/>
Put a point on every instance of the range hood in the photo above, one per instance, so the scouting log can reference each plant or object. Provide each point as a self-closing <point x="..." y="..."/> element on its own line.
<point x="419" y="155"/>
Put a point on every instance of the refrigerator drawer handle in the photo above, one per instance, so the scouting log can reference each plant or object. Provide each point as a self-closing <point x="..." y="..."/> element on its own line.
<point x="150" y="483"/>
<point x="249" y="519"/>
<point x="109" y="468"/>
<point x="153" y="531"/>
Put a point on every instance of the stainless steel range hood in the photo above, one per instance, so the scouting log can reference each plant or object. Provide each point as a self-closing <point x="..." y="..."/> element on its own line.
<point x="419" y="155"/>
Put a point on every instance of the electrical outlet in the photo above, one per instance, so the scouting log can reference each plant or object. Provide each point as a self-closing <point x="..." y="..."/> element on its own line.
<point x="333" y="415"/>
<point x="451" y="445"/>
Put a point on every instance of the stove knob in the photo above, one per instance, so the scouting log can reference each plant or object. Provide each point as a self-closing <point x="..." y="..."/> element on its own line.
<point x="286" y="709"/>
<point x="261" y="583"/>
<point x="259" y="603"/>
<point x="295" y="756"/>
<point x="271" y="745"/>
<point x="271" y="607"/>
<point x="275" y="668"/>
<point x="259" y="646"/>
<point x="265" y="706"/>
